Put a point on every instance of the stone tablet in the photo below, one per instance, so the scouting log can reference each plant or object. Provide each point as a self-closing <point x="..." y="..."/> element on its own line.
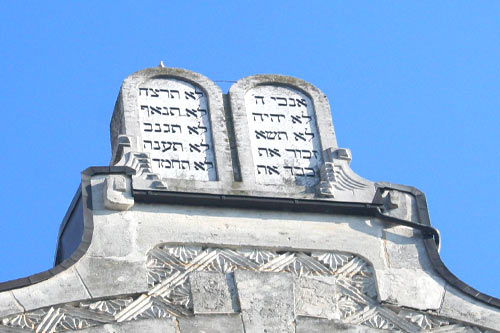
<point x="169" y="125"/>
<point x="285" y="142"/>
<point x="175" y="129"/>
<point x="282" y="127"/>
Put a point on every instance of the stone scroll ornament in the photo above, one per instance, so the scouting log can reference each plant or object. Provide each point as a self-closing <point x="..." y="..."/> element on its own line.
<point x="169" y="125"/>
<point x="324" y="284"/>
<point x="286" y="141"/>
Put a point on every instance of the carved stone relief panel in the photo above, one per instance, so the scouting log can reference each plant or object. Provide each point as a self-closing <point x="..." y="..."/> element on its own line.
<point x="283" y="126"/>
<point x="186" y="281"/>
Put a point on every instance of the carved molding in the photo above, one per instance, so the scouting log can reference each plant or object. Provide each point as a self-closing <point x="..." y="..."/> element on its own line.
<point x="118" y="192"/>
<point x="139" y="161"/>
<point x="169" y="267"/>
<point x="339" y="182"/>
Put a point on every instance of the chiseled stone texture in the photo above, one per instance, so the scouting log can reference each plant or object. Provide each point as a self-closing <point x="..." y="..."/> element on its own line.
<point x="211" y="324"/>
<point x="146" y="326"/>
<point x="66" y="286"/>
<point x="108" y="276"/>
<point x="405" y="249"/>
<point x="8" y="304"/>
<point x="462" y="307"/>
<point x="266" y="301"/>
<point x="410" y="288"/>
<point x="316" y="297"/>
<point x="213" y="293"/>
<point x="317" y="325"/>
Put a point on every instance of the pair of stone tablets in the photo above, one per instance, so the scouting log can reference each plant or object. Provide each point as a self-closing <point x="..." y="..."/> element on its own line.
<point x="270" y="135"/>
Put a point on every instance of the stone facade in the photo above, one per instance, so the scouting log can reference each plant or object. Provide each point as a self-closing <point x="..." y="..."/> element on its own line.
<point x="239" y="213"/>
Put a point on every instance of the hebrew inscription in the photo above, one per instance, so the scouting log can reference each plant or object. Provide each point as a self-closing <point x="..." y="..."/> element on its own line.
<point x="175" y="129"/>
<point x="285" y="140"/>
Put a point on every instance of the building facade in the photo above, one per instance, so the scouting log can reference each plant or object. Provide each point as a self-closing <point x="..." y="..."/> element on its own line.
<point x="238" y="212"/>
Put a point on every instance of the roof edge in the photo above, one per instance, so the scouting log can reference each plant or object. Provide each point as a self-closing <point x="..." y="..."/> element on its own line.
<point x="252" y="202"/>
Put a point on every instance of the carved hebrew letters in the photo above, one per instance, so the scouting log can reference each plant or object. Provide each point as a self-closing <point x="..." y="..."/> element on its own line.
<point x="284" y="136"/>
<point x="175" y="128"/>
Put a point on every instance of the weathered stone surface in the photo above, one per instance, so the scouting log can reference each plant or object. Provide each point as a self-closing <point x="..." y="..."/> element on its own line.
<point x="8" y="304"/>
<point x="169" y="125"/>
<point x="121" y="227"/>
<point x="285" y="141"/>
<point x="317" y="325"/>
<point x="274" y="230"/>
<point x="106" y="276"/>
<point x="148" y="325"/>
<point x="65" y="287"/>
<point x="118" y="192"/>
<point x="411" y="288"/>
<point x="174" y="116"/>
<point x="462" y="307"/>
<point x="401" y="205"/>
<point x="405" y="248"/>
<point x="211" y="324"/>
<point x="213" y="293"/>
<point x="283" y="126"/>
<point x="316" y="297"/>
<point x="266" y="301"/>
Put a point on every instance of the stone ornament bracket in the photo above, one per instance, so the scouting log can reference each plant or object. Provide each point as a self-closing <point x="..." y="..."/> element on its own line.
<point x="273" y="137"/>
<point x="339" y="182"/>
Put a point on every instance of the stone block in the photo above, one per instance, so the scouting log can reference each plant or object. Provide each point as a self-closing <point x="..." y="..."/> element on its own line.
<point x="318" y="325"/>
<point x="8" y="304"/>
<point x="63" y="288"/>
<point x="237" y="227"/>
<point x="118" y="192"/>
<point x="211" y="324"/>
<point x="266" y="301"/>
<point x="105" y="276"/>
<point x="463" y="308"/>
<point x="118" y="224"/>
<point x="213" y="292"/>
<point x="405" y="248"/>
<point x="148" y="325"/>
<point x="411" y="288"/>
<point x="316" y="297"/>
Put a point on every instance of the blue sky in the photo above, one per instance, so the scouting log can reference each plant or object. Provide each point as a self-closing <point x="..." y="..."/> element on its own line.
<point x="413" y="86"/>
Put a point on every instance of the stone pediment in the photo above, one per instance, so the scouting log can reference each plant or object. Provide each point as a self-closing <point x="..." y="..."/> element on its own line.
<point x="238" y="212"/>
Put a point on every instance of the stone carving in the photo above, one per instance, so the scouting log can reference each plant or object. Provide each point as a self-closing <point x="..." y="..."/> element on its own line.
<point x="338" y="181"/>
<point x="118" y="192"/>
<point x="175" y="129"/>
<point x="283" y="125"/>
<point x="286" y="147"/>
<point x="169" y="124"/>
<point x="343" y="281"/>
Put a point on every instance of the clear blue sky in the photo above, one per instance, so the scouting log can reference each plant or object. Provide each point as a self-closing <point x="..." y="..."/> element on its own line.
<point x="414" y="89"/>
